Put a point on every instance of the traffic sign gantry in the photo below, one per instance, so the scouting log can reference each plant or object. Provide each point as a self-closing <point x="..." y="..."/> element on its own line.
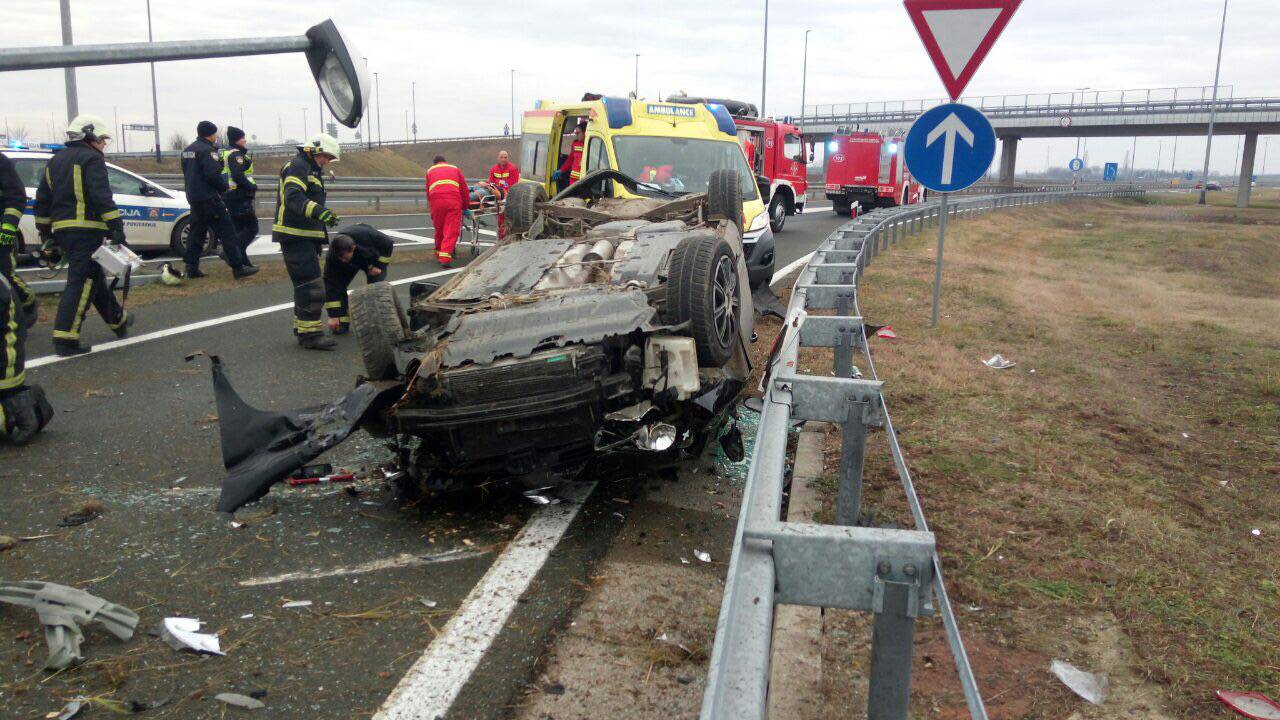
<point x="958" y="34"/>
<point x="950" y="147"/>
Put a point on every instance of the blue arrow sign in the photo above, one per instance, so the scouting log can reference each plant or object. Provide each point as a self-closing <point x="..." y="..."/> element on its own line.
<point x="1076" y="165"/>
<point x="950" y="147"/>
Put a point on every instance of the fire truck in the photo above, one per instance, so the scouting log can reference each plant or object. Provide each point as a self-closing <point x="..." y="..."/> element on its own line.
<point x="867" y="168"/>
<point x="775" y="150"/>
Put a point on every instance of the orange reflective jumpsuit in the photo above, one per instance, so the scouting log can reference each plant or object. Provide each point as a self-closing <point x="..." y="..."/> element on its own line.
<point x="448" y="196"/>
<point x="505" y="177"/>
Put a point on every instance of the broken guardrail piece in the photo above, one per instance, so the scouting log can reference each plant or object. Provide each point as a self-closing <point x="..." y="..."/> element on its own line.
<point x="62" y="610"/>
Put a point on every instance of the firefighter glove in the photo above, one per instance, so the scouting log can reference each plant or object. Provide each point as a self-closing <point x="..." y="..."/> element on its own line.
<point x="8" y="234"/>
<point x="555" y="176"/>
<point x="117" y="233"/>
<point x="328" y="218"/>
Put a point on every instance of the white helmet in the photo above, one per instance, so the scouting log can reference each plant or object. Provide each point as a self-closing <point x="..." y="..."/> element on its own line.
<point x="325" y="144"/>
<point x="170" y="275"/>
<point x="88" y="127"/>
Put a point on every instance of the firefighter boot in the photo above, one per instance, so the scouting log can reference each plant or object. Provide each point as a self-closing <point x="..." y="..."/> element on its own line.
<point x="316" y="341"/>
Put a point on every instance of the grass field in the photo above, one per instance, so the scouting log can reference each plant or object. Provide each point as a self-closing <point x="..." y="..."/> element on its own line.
<point x="1114" y="499"/>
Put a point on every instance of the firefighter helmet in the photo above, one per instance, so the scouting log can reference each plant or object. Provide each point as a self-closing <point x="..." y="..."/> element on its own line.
<point x="170" y="275"/>
<point x="325" y="144"/>
<point x="88" y="127"/>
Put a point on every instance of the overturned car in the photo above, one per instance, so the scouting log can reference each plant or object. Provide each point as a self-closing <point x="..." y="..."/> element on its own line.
<point x="599" y="325"/>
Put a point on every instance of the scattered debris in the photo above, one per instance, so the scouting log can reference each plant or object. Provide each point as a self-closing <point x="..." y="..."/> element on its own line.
<point x="70" y="710"/>
<point x="1087" y="685"/>
<point x="1250" y="704"/>
<point x="703" y="556"/>
<point x="541" y="496"/>
<point x="998" y="362"/>
<point x="1256" y="532"/>
<point x="553" y="688"/>
<point x="62" y="610"/>
<point x="239" y="700"/>
<point x="7" y="543"/>
<point x="141" y="706"/>
<point x="887" y="333"/>
<point x="87" y="512"/>
<point x="428" y="603"/>
<point x="184" y="634"/>
<point x="297" y="604"/>
<point x="684" y="561"/>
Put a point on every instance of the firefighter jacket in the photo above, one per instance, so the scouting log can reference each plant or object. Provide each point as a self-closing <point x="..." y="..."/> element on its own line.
<point x="445" y="180"/>
<point x="573" y="163"/>
<point x="373" y="249"/>
<point x="13" y="196"/>
<point x="505" y="177"/>
<point x="74" y="193"/>
<point x="299" y="201"/>
<point x="202" y="171"/>
<point x="237" y="172"/>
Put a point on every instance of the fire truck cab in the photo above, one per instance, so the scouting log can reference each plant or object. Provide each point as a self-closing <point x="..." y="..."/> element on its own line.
<point x="868" y="169"/>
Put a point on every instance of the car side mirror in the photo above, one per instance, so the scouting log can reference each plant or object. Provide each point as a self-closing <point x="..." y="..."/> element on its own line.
<point x="763" y="184"/>
<point x="145" y="190"/>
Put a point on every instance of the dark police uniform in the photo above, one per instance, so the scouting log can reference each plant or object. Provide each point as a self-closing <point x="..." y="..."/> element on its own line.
<point x="237" y="169"/>
<point x="204" y="185"/>
<point x="299" y="228"/>
<point x="74" y="203"/>
<point x="372" y="250"/>
<point x="13" y="201"/>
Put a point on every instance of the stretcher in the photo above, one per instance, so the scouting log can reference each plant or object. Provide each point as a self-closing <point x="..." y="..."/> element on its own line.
<point x="486" y="202"/>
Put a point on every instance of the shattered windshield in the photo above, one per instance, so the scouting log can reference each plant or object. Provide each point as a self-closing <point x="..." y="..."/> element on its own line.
<point x="681" y="165"/>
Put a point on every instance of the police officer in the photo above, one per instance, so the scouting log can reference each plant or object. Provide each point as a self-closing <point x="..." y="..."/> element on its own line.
<point x="299" y="226"/>
<point x="357" y="248"/>
<point x="237" y="169"/>
<point x="13" y="201"/>
<point x="203" y="181"/>
<point x="75" y="208"/>
<point x="24" y="411"/>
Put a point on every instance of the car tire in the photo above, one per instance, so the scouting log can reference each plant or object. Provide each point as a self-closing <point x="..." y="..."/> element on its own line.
<point x="522" y="206"/>
<point x="724" y="197"/>
<point x="845" y="209"/>
<point x="778" y="213"/>
<point x="178" y="240"/>
<point x="702" y="289"/>
<point x="379" y="324"/>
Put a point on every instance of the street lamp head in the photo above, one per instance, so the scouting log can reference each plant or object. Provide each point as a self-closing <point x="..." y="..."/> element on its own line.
<point x="343" y="84"/>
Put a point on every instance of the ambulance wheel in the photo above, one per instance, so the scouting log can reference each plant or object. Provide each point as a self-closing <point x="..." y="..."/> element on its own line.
<point x="702" y="289"/>
<point x="178" y="240"/>
<point x="778" y="213"/>
<point x="379" y="324"/>
<point x="522" y="206"/>
<point x="724" y="196"/>
<point x="845" y="209"/>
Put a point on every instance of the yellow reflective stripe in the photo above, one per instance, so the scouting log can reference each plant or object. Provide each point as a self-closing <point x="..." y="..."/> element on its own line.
<point x="315" y="180"/>
<point x="345" y="319"/>
<point x="2" y="422"/>
<point x="13" y="212"/>
<point x="65" y="335"/>
<point x="445" y="255"/>
<point x="110" y="215"/>
<point x="123" y="317"/>
<point x="10" y="383"/>
<point x="445" y="165"/>
<point x="291" y="179"/>
<point x="446" y="181"/>
<point x="82" y="307"/>
<point x="297" y="231"/>
<point x="11" y="377"/>
<point x="42" y="221"/>
<point x="77" y="182"/>
<point x="89" y="224"/>
<point x="385" y="260"/>
<point x="310" y="209"/>
<point x="333" y="305"/>
<point x="308" y="325"/>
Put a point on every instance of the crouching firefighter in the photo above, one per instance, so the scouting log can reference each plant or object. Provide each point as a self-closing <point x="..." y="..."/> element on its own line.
<point x="74" y="206"/>
<point x="24" y="411"/>
<point x="299" y="227"/>
<point x="355" y="249"/>
<point x="13" y="200"/>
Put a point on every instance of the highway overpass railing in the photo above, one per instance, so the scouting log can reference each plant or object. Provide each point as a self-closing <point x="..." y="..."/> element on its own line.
<point x="896" y="575"/>
<point x="281" y="149"/>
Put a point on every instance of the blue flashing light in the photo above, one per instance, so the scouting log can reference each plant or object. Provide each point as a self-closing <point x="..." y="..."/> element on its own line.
<point x="893" y="148"/>
<point x="724" y="120"/>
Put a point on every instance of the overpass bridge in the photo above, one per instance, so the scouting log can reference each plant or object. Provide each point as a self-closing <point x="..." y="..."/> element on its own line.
<point x="1111" y="113"/>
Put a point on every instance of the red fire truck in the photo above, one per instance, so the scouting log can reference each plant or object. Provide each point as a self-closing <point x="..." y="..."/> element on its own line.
<point x="868" y="168"/>
<point x="775" y="150"/>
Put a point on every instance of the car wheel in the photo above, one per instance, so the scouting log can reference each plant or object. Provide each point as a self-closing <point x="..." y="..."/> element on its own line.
<point x="379" y="324"/>
<point x="777" y="213"/>
<point x="702" y="289"/>
<point x="522" y="206"/>
<point x="845" y="209"/>
<point x="178" y="240"/>
<point x="724" y="197"/>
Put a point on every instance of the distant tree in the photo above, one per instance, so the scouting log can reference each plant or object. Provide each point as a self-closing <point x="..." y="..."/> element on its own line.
<point x="177" y="141"/>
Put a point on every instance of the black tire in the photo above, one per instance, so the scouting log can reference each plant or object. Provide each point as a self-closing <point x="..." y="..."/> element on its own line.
<point x="178" y="240"/>
<point x="379" y="324"/>
<point x="778" y="210"/>
<point x="724" y="197"/>
<point x="522" y="206"/>
<point x="702" y="289"/>
<point x="845" y="209"/>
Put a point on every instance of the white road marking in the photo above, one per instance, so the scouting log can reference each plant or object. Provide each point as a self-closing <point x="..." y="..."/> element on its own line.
<point x="430" y="687"/>
<point x="817" y="208"/>
<point x="192" y="327"/>
<point x="403" y="560"/>
<point x="409" y="236"/>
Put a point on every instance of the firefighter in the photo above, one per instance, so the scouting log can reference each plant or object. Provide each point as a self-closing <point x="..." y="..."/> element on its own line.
<point x="74" y="207"/>
<point x="204" y="184"/>
<point x="356" y="248"/>
<point x="749" y="148"/>
<point x="299" y="226"/>
<point x="449" y="198"/>
<point x="502" y="177"/>
<point x="237" y="171"/>
<point x="572" y="166"/>
<point x="13" y="201"/>
<point x="24" y="411"/>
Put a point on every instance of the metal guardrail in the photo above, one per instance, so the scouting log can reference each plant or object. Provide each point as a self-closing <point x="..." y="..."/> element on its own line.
<point x="289" y="149"/>
<point x="894" y="574"/>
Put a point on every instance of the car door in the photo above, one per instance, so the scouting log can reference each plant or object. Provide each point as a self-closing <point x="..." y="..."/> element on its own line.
<point x="29" y="169"/>
<point x="142" y="216"/>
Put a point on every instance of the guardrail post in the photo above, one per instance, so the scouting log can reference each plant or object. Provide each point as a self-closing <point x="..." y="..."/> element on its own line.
<point x="853" y="450"/>
<point x="892" y="638"/>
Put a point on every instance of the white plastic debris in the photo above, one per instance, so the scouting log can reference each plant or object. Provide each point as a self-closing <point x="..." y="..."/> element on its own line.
<point x="70" y="710"/>
<point x="239" y="700"/>
<point x="1089" y="686"/>
<point x="184" y="634"/>
<point x="998" y="362"/>
<point x="1256" y="532"/>
<point x="684" y="561"/>
<point x="297" y="604"/>
<point x="703" y="556"/>
<point x="428" y="603"/>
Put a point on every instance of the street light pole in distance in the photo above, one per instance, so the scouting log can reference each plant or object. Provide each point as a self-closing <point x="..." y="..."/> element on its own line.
<point x="804" y="72"/>
<point x="1213" y="109"/>
<point x="764" y="62"/>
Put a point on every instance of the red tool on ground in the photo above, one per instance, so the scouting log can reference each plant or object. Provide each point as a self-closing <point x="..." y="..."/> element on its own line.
<point x="319" y="475"/>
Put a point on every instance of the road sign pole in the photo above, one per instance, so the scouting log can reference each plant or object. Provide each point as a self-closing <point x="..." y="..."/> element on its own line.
<point x="937" y="269"/>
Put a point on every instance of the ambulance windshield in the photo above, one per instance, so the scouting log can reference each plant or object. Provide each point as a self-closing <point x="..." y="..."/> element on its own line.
<point x="681" y="165"/>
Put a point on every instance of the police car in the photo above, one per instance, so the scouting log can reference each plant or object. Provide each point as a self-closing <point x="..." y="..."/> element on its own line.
<point x="155" y="218"/>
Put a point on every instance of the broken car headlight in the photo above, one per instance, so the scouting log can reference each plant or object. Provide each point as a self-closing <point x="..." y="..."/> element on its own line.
<point x="656" y="437"/>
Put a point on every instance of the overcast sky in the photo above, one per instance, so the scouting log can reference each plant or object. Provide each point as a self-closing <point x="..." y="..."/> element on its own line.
<point x="461" y="54"/>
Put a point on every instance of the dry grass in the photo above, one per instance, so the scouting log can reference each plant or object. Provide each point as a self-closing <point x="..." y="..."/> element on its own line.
<point x="1124" y="475"/>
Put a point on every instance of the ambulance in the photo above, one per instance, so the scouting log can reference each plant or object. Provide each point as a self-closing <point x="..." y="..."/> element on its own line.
<point x="669" y="147"/>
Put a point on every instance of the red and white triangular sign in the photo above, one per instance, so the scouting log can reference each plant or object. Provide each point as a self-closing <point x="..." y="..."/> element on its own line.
<point x="958" y="34"/>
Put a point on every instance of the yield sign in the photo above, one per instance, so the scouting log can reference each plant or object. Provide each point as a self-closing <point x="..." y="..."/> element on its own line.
<point x="958" y="34"/>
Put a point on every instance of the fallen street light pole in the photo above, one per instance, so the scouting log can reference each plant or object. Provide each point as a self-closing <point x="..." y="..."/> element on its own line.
<point x="344" y="86"/>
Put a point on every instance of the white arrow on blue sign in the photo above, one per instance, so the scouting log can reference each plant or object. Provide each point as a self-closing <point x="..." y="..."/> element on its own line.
<point x="950" y="147"/>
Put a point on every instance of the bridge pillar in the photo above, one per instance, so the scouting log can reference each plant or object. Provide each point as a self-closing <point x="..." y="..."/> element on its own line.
<point x="1246" y="169"/>
<point x="1008" y="160"/>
